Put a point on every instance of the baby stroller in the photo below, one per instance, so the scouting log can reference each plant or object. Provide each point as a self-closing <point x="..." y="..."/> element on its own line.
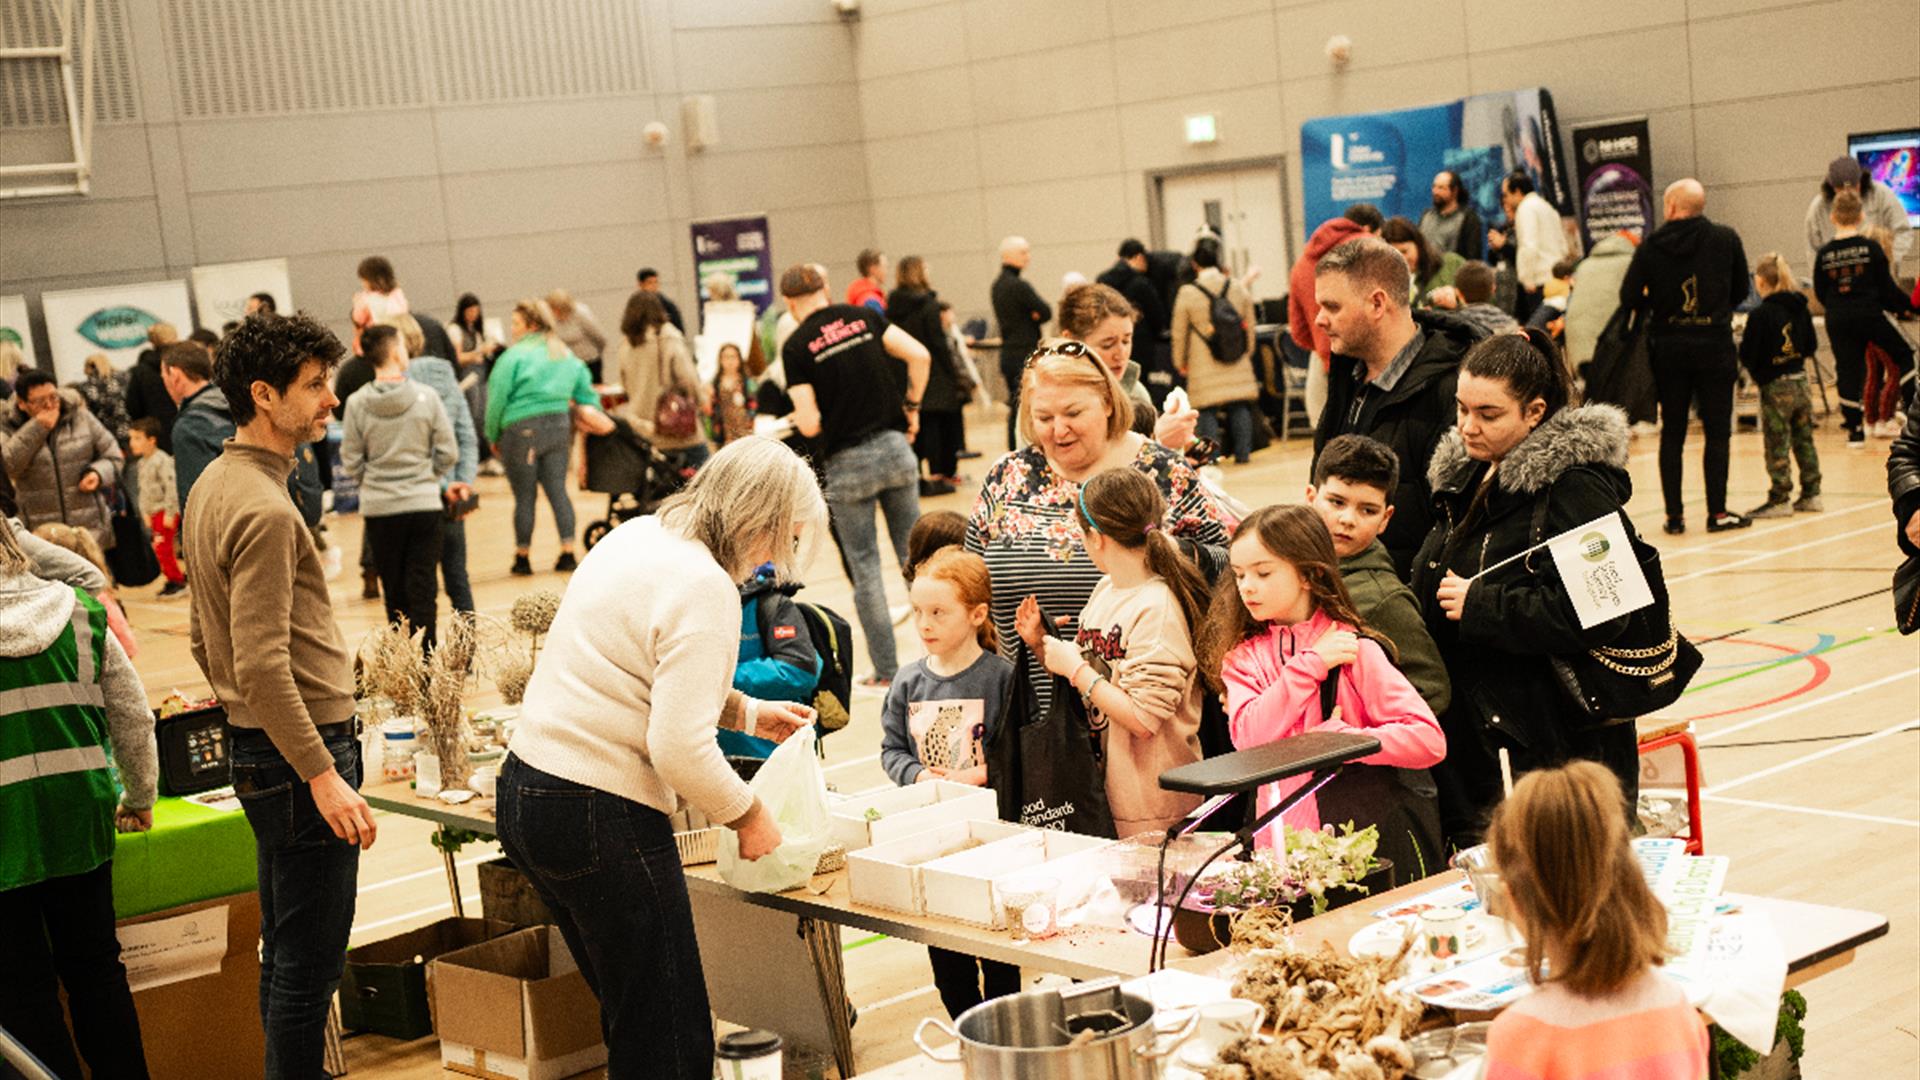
<point x="634" y="476"/>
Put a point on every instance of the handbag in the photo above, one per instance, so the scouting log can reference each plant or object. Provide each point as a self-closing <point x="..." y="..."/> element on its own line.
<point x="1906" y="595"/>
<point x="675" y="414"/>
<point x="131" y="557"/>
<point x="1646" y="667"/>
<point x="1403" y="803"/>
<point x="1049" y="768"/>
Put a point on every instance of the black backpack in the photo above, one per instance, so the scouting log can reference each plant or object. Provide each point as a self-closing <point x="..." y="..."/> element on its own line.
<point x="833" y="640"/>
<point x="1228" y="342"/>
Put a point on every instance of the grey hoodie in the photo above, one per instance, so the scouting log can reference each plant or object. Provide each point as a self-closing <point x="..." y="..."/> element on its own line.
<point x="398" y="443"/>
<point x="33" y="613"/>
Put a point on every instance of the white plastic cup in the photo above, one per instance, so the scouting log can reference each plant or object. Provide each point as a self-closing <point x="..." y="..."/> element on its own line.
<point x="1221" y="1022"/>
<point x="750" y="1055"/>
<point x="426" y="772"/>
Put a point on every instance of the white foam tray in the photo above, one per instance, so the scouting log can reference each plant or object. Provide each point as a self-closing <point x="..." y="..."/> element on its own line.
<point x="960" y="886"/>
<point x="889" y="875"/>
<point x="907" y="810"/>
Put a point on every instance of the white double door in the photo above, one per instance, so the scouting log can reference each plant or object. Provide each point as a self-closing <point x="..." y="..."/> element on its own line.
<point x="1246" y="207"/>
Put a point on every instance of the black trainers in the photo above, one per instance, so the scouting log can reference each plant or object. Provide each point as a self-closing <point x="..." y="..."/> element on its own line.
<point x="1727" y="521"/>
<point x="1856" y="439"/>
<point x="1674" y="526"/>
<point x="565" y="563"/>
<point x="173" y="589"/>
<point x="522" y="567"/>
<point x="1772" y="508"/>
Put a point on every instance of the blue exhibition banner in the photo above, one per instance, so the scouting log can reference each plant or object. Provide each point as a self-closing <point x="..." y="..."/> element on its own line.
<point x="1389" y="158"/>
<point x="738" y="247"/>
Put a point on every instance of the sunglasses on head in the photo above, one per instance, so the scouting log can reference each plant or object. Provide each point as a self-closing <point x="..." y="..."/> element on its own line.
<point x="1065" y="348"/>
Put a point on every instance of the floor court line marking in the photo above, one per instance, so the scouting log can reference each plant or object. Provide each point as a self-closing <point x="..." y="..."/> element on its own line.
<point x="851" y="762"/>
<point x="1808" y="759"/>
<point x="1802" y="707"/>
<point x="1814" y="810"/>
<point x="443" y="906"/>
<point x="439" y="871"/>
<point x="1774" y="554"/>
<point x="899" y="998"/>
<point x="1755" y="534"/>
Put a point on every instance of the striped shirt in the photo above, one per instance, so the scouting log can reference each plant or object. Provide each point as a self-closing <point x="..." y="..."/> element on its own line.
<point x="1646" y="1031"/>
<point x="1026" y="524"/>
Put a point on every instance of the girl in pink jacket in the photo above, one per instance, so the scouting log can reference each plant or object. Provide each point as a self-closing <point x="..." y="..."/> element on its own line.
<point x="1287" y="626"/>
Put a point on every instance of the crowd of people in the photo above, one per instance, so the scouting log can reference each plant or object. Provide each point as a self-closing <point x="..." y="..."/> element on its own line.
<point x="1097" y="565"/>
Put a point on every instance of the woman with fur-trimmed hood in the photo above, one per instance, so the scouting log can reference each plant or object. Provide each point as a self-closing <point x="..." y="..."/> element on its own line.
<point x="1520" y="441"/>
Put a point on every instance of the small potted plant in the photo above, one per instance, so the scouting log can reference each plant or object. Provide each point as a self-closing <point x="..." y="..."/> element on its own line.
<point x="1313" y="873"/>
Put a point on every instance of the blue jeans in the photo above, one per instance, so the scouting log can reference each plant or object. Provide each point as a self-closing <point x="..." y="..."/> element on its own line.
<point x="535" y="452"/>
<point x="453" y="565"/>
<point x="1239" y="441"/>
<point x="880" y="470"/>
<point x="307" y="888"/>
<point x="608" y="869"/>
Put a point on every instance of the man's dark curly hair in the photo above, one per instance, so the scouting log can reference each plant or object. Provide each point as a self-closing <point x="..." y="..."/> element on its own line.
<point x="270" y="349"/>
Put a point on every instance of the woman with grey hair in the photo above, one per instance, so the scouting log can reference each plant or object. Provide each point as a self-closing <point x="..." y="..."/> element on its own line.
<point x="619" y="726"/>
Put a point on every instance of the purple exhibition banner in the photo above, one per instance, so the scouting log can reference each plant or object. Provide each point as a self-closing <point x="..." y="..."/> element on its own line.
<point x="1614" y="164"/>
<point x="738" y="246"/>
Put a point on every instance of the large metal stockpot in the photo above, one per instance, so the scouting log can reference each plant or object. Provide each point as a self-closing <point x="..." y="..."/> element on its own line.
<point x="1043" y="1035"/>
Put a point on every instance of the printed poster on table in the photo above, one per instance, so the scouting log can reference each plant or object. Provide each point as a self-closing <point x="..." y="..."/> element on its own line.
<point x="1389" y="158"/>
<point x="112" y="319"/>
<point x="15" y="329"/>
<point x="220" y="291"/>
<point x="1614" y="165"/>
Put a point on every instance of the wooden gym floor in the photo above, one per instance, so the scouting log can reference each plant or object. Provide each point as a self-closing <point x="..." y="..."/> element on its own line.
<point x="1807" y="713"/>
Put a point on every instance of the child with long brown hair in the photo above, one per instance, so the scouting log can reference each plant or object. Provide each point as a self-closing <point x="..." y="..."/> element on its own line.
<point x="938" y="715"/>
<point x="1594" y="933"/>
<point x="1284" y="626"/>
<point x="1132" y="659"/>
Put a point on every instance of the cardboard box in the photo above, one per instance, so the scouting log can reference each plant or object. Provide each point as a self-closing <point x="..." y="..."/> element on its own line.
<point x="507" y="895"/>
<point x="904" y="811"/>
<point x="515" y="1008"/>
<point x="888" y="875"/>
<point x="208" y="1028"/>
<point x="960" y="887"/>
<point x="384" y="987"/>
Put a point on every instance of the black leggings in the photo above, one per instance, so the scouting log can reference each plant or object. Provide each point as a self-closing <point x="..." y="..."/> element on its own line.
<point x="406" y="549"/>
<point x="965" y="981"/>
<point x="1850" y="336"/>
<point x="1700" y="374"/>
<point x="63" y="928"/>
<point x="942" y="433"/>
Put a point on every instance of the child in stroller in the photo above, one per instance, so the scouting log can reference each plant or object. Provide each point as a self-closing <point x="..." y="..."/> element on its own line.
<point x="634" y="476"/>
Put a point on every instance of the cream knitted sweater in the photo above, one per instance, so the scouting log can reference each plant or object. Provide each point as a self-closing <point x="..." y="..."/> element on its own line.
<point x="637" y="673"/>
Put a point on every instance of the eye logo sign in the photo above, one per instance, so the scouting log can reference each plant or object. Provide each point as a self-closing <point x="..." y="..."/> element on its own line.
<point x="117" y="327"/>
<point x="1594" y="547"/>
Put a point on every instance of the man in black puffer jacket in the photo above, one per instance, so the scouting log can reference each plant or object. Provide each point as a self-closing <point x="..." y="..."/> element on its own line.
<point x="1393" y="375"/>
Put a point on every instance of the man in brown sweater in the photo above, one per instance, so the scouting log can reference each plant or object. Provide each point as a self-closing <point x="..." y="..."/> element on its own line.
<point x="263" y="633"/>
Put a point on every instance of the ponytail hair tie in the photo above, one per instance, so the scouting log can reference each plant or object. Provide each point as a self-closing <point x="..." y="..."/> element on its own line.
<point x="1151" y="527"/>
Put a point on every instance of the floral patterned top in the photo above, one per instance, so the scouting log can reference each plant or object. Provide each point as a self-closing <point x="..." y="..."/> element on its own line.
<point x="1025" y="525"/>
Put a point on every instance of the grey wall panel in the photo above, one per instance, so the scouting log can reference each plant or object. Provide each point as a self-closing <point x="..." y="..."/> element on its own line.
<point x="922" y="164"/>
<point x="1153" y="133"/>
<point x="1152" y="16"/>
<point x="777" y="179"/>
<point x="936" y="99"/>
<point x="744" y="57"/>
<point x="582" y="261"/>
<point x="76" y="237"/>
<point x="832" y="235"/>
<point x="1623" y="73"/>
<point x="1384" y="33"/>
<point x="236" y="155"/>
<point x="323" y="283"/>
<point x="1011" y="27"/>
<point x="1801" y="136"/>
<point x="1397" y="87"/>
<point x="1090" y="209"/>
<point x="1054" y="147"/>
<point x="555" y="197"/>
<point x="1500" y="24"/>
<point x="791" y="116"/>
<point x="1194" y="58"/>
<point x="230" y="226"/>
<point x="119" y="156"/>
<point x="1072" y="78"/>
<point x="1851" y="43"/>
<point x="910" y="41"/>
<point x="951" y="222"/>
<point x="479" y="137"/>
<point x="690" y="14"/>
<point x="1769" y="217"/>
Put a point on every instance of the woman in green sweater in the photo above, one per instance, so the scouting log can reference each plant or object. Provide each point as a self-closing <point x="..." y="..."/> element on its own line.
<point x="530" y="395"/>
<point x="1432" y="269"/>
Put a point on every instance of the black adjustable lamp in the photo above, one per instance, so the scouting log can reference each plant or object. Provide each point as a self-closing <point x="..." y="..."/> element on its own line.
<point x="1317" y="754"/>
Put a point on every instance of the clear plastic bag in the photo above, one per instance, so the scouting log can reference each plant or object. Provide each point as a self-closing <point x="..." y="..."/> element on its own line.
<point x="793" y="789"/>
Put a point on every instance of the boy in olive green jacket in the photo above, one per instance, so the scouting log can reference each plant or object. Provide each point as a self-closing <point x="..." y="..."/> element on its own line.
<point x="1353" y="481"/>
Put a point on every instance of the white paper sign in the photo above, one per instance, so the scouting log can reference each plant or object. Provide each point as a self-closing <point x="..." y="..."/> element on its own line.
<point x="220" y="291"/>
<point x="174" y="950"/>
<point x="14" y="327"/>
<point x="112" y="320"/>
<point x="722" y="323"/>
<point x="1601" y="574"/>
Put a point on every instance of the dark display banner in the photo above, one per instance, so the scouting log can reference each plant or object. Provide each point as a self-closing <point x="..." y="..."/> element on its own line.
<point x="1614" y="163"/>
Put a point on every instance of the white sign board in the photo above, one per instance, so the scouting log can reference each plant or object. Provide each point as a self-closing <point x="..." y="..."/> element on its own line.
<point x="1600" y="571"/>
<point x="14" y="327"/>
<point x="113" y="320"/>
<point x="220" y="291"/>
<point x="174" y="950"/>
<point x="724" y="322"/>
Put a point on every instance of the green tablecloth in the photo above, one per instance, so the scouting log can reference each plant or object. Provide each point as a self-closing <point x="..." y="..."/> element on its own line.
<point x="192" y="853"/>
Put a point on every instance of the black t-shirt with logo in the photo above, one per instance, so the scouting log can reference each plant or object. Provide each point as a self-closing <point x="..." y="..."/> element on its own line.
<point x="837" y="351"/>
